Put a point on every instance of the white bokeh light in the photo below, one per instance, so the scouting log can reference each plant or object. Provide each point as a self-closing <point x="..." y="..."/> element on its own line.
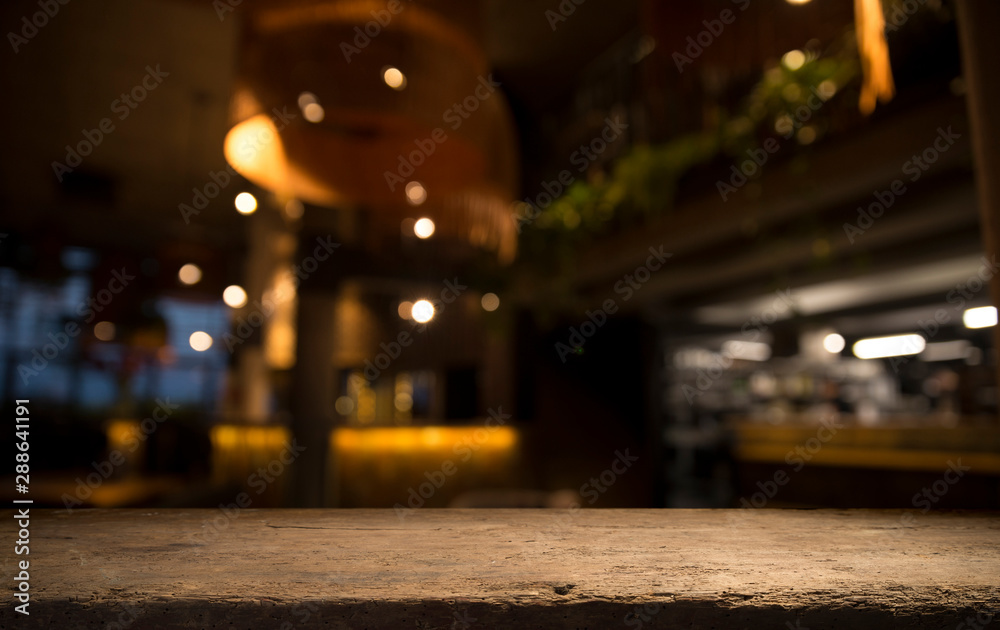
<point x="833" y="343"/>
<point x="422" y="312"/>
<point x="245" y="203"/>
<point x="424" y="228"/>
<point x="234" y="296"/>
<point x="200" y="341"/>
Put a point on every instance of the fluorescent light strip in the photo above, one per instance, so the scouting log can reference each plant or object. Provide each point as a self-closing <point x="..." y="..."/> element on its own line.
<point x="894" y="346"/>
<point x="982" y="317"/>
<point x="946" y="351"/>
<point x="747" y="350"/>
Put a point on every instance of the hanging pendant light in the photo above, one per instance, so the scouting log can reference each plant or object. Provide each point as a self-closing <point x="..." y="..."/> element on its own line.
<point x="345" y="102"/>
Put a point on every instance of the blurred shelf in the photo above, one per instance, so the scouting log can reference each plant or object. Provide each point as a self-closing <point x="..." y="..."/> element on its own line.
<point x="895" y="448"/>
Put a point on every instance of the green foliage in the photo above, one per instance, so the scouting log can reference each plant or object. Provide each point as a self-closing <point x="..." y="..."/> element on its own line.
<point x="642" y="185"/>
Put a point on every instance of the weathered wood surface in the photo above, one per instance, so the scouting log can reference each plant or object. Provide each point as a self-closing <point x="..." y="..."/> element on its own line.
<point x="507" y="569"/>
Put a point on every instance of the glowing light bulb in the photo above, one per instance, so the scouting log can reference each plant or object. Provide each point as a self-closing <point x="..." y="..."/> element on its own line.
<point x="423" y="228"/>
<point x="394" y="78"/>
<point x="200" y="341"/>
<point x="189" y="274"/>
<point x="422" y="312"/>
<point x="833" y="343"/>
<point x="234" y="296"/>
<point x="245" y="203"/>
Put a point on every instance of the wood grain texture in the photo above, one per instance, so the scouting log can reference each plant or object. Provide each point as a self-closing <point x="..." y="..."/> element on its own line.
<point x="507" y="569"/>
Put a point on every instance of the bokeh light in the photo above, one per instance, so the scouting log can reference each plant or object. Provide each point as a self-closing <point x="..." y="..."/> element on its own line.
<point x="200" y="341"/>
<point x="422" y="312"/>
<point x="189" y="274"/>
<point x="394" y="78"/>
<point x="833" y="343"/>
<point x="234" y="296"/>
<point x="344" y="405"/>
<point x="416" y="194"/>
<point x="245" y="203"/>
<point x="105" y="331"/>
<point x="794" y="59"/>
<point x="294" y="209"/>
<point x="490" y="302"/>
<point x="423" y="228"/>
<point x="313" y="112"/>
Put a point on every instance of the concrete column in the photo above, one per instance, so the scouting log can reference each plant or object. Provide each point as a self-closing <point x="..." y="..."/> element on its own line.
<point x="251" y="372"/>
<point x="312" y="395"/>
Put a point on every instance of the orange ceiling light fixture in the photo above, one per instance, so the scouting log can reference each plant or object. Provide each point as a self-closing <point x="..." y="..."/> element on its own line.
<point x="877" y="83"/>
<point x="395" y="93"/>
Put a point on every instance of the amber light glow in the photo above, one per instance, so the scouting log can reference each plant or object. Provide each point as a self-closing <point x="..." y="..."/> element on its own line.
<point x="255" y="149"/>
<point x="424" y="228"/>
<point x="433" y="439"/>
<point x="239" y="450"/>
<point x="189" y="274"/>
<point x="394" y="78"/>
